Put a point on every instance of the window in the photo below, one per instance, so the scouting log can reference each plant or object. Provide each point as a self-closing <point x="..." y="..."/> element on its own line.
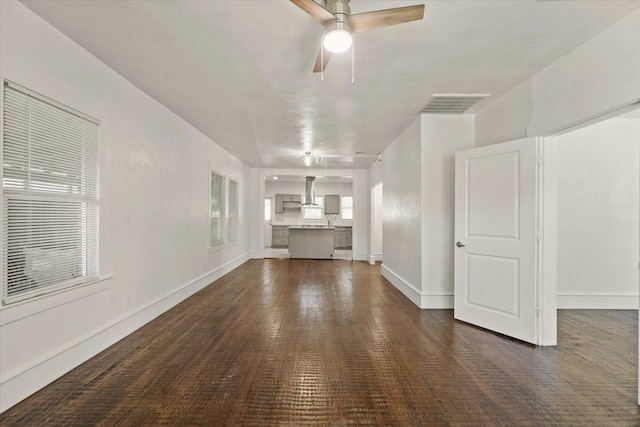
<point x="267" y="209"/>
<point x="234" y="211"/>
<point x="346" y="207"/>
<point x="218" y="209"/>
<point x="49" y="196"/>
<point x="312" y="212"/>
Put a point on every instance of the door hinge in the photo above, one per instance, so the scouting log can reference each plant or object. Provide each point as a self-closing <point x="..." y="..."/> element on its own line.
<point x="539" y="159"/>
<point x="538" y="235"/>
<point x="538" y="312"/>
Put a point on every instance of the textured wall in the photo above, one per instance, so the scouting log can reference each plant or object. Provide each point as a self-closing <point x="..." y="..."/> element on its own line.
<point x="402" y="204"/>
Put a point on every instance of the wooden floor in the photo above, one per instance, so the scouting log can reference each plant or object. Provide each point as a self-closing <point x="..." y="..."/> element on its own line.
<point x="298" y="342"/>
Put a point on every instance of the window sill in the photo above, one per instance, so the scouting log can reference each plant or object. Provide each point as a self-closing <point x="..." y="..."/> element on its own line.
<point x="22" y="309"/>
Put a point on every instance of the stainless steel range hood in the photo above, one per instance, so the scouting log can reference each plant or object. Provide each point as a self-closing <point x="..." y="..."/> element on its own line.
<point x="309" y="191"/>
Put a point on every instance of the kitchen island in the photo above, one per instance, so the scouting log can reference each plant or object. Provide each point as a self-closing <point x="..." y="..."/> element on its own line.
<point x="311" y="242"/>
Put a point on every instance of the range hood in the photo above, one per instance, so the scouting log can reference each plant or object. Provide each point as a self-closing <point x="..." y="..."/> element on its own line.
<point x="309" y="191"/>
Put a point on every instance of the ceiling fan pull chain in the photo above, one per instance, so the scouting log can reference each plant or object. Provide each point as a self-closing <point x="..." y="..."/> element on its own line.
<point x="322" y="58"/>
<point x="353" y="61"/>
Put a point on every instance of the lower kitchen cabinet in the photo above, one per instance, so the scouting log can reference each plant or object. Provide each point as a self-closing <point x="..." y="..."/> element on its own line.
<point x="279" y="236"/>
<point x="343" y="238"/>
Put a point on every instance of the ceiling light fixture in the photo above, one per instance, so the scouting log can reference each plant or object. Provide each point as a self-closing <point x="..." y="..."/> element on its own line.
<point x="337" y="37"/>
<point x="307" y="159"/>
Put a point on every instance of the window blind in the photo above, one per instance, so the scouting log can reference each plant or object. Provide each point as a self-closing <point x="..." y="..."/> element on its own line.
<point x="234" y="211"/>
<point x="49" y="196"/>
<point x="218" y="209"/>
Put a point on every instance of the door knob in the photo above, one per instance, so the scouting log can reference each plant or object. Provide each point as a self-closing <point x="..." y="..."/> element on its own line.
<point x="460" y="245"/>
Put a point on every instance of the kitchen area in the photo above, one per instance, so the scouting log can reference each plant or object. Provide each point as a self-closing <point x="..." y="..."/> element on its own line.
<point x="308" y="217"/>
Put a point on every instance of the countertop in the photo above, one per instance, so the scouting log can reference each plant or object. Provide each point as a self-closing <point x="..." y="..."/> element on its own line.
<point x="311" y="227"/>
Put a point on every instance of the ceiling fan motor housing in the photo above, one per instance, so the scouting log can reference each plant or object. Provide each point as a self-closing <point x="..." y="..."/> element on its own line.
<point x="340" y="8"/>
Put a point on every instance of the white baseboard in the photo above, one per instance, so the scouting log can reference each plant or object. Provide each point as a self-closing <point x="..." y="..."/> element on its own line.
<point x="372" y="259"/>
<point x="598" y="300"/>
<point x="437" y="301"/>
<point x="360" y="257"/>
<point x="379" y="256"/>
<point x="422" y="300"/>
<point x="402" y="285"/>
<point x="20" y="383"/>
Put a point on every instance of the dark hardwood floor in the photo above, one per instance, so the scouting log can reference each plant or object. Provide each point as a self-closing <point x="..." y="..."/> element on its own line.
<point x="296" y="342"/>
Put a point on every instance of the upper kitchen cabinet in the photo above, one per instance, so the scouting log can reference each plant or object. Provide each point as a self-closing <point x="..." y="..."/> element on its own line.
<point x="332" y="204"/>
<point x="287" y="203"/>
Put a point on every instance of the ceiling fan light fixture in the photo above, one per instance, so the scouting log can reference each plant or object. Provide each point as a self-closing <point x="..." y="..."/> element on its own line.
<point x="337" y="37"/>
<point x="307" y="159"/>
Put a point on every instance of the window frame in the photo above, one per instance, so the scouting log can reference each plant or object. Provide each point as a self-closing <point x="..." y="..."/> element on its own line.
<point x="344" y="208"/>
<point x="60" y="243"/>
<point x="233" y="211"/>
<point x="222" y="218"/>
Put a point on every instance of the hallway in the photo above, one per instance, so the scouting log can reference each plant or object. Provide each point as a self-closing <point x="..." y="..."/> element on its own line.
<point x="300" y="342"/>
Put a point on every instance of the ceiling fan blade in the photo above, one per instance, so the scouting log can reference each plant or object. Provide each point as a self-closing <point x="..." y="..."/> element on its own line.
<point x="383" y="18"/>
<point x="316" y="11"/>
<point x="322" y="56"/>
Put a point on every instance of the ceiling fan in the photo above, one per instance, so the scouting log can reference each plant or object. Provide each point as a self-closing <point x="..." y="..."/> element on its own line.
<point x="340" y="24"/>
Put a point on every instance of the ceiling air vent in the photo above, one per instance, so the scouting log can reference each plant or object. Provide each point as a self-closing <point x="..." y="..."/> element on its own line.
<point x="451" y="103"/>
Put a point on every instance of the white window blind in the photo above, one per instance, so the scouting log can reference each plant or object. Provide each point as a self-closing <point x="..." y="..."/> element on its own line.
<point x="218" y="209"/>
<point x="346" y="207"/>
<point x="49" y="196"/>
<point x="234" y="211"/>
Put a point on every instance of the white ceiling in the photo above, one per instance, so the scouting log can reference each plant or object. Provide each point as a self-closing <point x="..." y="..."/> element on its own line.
<point x="240" y="71"/>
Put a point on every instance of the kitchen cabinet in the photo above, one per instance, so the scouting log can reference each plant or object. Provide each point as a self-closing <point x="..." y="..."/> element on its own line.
<point x="332" y="204"/>
<point x="287" y="203"/>
<point x="279" y="205"/>
<point x="343" y="238"/>
<point x="279" y="236"/>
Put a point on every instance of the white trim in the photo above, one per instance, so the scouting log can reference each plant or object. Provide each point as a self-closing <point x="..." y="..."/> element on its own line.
<point x="437" y="301"/>
<point x="378" y="256"/>
<point x="372" y="259"/>
<point x="360" y="257"/>
<point x="22" y="309"/>
<point x="25" y="380"/>
<point x="598" y="300"/>
<point x="422" y="300"/>
<point x="402" y="285"/>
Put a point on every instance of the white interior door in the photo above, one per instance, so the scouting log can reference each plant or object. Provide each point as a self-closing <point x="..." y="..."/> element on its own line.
<point x="496" y="231"/>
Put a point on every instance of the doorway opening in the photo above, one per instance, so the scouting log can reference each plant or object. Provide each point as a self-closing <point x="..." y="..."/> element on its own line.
<point x="333" y="208"/>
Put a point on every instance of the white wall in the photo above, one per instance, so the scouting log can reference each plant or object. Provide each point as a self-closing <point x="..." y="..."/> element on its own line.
<point x="442" y="137"/>
<point x="599" y="215"/>
<point x="154" y="231"/>
<point x="402" y="216"/>
<point x="600" y="75"/>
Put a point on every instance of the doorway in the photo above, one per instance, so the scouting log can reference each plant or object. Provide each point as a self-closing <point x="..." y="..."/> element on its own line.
<point x="598" y="215"/>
